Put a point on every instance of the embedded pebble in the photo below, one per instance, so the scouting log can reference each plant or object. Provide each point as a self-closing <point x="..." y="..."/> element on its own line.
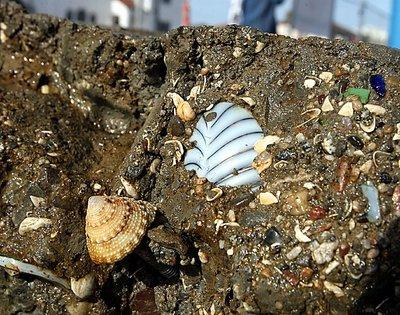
<point x="346" y="110"/>
<point x="300" y="236"/>
<point x="331" y="266"/>
<point x="326" y="76"/>
<point x="309" y="83"/>
<point x="373" y="253"/>
<point x="371" y="193"/>
<point x="324" y="252"/>
<point x="327" y="105"/>
<point x="267" y="198"/>
<point x="259" y="46"/>
<point x="334" y="289"/>
<point x="294" y="252"/>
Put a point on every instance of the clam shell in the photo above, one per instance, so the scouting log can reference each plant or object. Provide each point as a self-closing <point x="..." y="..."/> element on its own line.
<point x="115" y="226"/>
<point x="224" y="138"/>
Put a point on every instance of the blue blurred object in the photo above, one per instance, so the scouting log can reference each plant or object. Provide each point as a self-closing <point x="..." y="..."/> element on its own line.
<point x="394" y="33"/>
<point x="378" y="84"/>
<point x="260" y="14"/>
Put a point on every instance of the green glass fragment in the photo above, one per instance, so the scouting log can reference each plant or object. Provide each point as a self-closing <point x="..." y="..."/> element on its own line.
<point x="363" y="94"/>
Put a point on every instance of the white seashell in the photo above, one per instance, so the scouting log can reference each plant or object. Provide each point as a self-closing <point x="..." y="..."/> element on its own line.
<point x="224" y="138"/>
<point x="183" y="109"/>
<point x="346" y="110"/>
<point x="262" y="143"/>
<point x="130" y="190"/>
<point x="32" y="224"/>
<point x="369" y="128"/>
<point x="83" y="287"/>
<point x="194" y="92"/>
<point x="216" y="193"/>
<point x="267" y="198"/>
<point x="327" y="105"/>
<point x="375" y="109"/>
<point x="300" y="236"/>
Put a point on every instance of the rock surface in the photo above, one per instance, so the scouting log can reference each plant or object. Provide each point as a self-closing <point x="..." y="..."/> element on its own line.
<point x="81" y="106"/>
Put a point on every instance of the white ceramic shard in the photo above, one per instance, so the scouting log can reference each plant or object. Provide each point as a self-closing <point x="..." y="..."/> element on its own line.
<point x="224" y="138"/>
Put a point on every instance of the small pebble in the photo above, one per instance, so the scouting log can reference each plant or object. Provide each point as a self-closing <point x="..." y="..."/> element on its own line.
<point x="385" y="178"/>
<point x="356" y="142"/>
<point x="294" y="252"/>
<point x="373" y="253"/>
<point x="306" y="273"/>
<point x="326" y="76"/>
<point x="309" y="83"/>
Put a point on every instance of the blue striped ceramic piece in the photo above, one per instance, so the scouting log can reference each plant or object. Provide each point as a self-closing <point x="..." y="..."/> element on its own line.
<point x="224" y="138"/>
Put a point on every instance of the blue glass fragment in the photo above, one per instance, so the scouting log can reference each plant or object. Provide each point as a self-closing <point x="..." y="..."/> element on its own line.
<point x="378" y="84"/>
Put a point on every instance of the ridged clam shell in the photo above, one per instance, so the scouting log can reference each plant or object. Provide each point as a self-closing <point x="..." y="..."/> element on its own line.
<point x="115" y="226"/>
<point x="224" y="138"/>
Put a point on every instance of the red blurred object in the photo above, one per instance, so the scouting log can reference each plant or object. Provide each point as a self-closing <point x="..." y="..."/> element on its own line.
<point x="185" y="13"/>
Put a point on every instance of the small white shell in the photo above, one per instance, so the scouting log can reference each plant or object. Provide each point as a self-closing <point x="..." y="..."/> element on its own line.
<point x="129" y="188"/>
<point x="224" y="138"/>
<point x="32" y="223"/>
<point x="183" y="109"/>
<point x="83" y="287"/>
<point x="369" y="128"/>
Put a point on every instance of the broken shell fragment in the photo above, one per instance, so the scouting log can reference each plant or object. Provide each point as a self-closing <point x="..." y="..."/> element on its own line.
<point x="214" y="194"/>
<point x="346" y="110"/>
<point x="32" y="224"/>
<point x="262" y="161"/>
<point x="300" y="236"/>
<point x="263" y="143"/>
<point x="115" y="226"/>
<point x="248" y="100"/>
<point x="267" y="198"/>
<point x="183" y="109"/>
<point x="327" y="105"/>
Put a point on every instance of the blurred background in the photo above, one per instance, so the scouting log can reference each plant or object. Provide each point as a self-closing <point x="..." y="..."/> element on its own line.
<point x="367" y="20"/>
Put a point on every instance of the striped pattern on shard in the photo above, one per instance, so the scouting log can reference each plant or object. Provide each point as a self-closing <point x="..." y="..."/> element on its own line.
<point x="224" y="138"/>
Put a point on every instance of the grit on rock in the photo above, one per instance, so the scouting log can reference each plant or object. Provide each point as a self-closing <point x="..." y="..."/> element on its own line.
<point x="82" y="107"/>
